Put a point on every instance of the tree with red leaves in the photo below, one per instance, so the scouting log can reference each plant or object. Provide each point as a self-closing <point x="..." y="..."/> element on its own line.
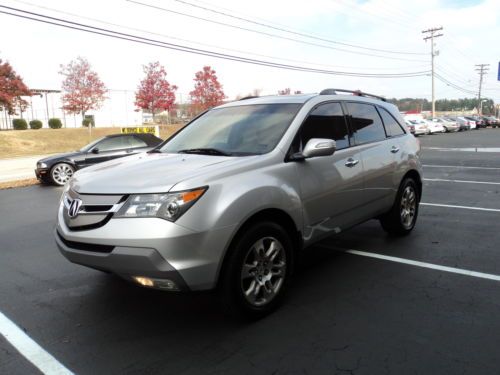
<point x="207" y="91"/>
<point x="154" y="92"/>
<point x="12" y="88"/>
<point x="82" y="87"/>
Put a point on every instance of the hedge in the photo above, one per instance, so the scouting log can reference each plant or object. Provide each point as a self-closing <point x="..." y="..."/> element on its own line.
<point x="36" y="124"/>
<point x="19" y="124"/>
<point x="55" y="123"/>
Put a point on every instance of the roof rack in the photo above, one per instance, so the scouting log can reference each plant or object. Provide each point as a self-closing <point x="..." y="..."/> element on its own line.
<point x="354" y="92"/>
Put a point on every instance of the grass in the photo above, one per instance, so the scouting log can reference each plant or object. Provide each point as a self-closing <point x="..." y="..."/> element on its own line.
<point x="17" y="143"/>
<point x="18" y="183"/>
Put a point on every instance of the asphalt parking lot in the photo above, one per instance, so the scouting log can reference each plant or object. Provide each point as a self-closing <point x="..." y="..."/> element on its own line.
<point x="348" y="312"/>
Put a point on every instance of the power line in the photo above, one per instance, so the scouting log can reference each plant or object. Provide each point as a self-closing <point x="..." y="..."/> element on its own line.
<point x="199" y="43"/>
<point x="287" y="30"/>
<point x="453" y="85"/>
<point x="266" y="33"/>
<point x="157" y="43"/>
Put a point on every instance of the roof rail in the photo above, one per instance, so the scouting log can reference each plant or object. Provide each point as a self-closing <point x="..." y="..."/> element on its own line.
<point x="354" y="92"/>
<point x="249" y="97"/>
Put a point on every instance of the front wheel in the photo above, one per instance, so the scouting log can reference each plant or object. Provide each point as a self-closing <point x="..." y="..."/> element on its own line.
<point x="401" y="219"/>
<point x="257" y="272"/>
<point x="61" y="173"/>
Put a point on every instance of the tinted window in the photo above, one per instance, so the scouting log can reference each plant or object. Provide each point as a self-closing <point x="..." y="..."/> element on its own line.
<point x="366" y="122"/>
<point x="392" y="127"/>
<point x="113" y="143"/>
<point x="135" y="142"/>
<point x="326" y="121"/>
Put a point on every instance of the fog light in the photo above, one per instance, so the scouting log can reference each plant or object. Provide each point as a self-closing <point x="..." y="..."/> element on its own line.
<point x="144" y="281"/>
<point x="156" y="283"/>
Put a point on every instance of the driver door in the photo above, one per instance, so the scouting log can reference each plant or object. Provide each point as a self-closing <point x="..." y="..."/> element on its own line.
<point x="331" y="186"/>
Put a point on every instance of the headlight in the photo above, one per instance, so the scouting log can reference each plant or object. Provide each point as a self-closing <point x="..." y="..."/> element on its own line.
<point x="41" y="165"/>
<point x="168" y="206"/>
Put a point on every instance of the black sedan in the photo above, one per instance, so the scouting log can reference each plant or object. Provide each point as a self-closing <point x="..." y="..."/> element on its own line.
<point x="58" y="169"/>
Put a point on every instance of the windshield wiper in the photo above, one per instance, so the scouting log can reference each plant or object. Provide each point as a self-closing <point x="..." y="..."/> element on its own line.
<point x="204" y="151"/>
<point x="155" y="150"/>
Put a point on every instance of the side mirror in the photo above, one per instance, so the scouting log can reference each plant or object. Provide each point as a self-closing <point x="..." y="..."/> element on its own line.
<point x="95" y="150"/>
<point x="316" y="147"/>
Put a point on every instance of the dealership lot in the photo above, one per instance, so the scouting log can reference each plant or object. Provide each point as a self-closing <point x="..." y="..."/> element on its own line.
<point x="348" y="312"/>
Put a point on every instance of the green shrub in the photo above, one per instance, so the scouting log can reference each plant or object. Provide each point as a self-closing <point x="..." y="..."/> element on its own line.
<point x="36" y="124"/>
<point x="87" y="121"/>
<point x="55" y="123"/>
<point x="19" y="124"/>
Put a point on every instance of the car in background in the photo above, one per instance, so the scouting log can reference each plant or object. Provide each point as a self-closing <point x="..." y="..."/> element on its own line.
<point x="435" y="127"/>
<point x="492" y="121"/>
<point x="448" y="125"/>
<point x="421" y="127"/>
<point x="58" y="169"/>
<point x="410" y="127"/>
<point x="479" y="122"/>
<point x="463" y="122"/>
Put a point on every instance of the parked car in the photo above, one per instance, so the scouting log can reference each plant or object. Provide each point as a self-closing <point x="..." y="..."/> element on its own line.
<point x="448" y="125"/>
<point x="435" y="127"/>
<point x="421" y="127"/>
<point x="58" y="169"/>
<point x="464" y="123"/>
<point x="229" y="200"/>
<point x="490" y="121"/>
<point x="477" y="120"/>
<point x="410" y="127"/>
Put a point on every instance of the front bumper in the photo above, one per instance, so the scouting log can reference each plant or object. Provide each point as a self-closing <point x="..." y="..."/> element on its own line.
<point x="42" y="174"/>
<point x="148" y="247"/>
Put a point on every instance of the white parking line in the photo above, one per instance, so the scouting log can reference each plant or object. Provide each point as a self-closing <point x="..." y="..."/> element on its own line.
<point x="464" y="207"/>
<point x="416" y="263"/>
<point x="462" y="181"/>
<point x="29" y="349"/>
<point x="459" y="167"/>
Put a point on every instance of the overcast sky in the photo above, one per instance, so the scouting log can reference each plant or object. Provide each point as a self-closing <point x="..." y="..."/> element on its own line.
<point x="471" y="36"/>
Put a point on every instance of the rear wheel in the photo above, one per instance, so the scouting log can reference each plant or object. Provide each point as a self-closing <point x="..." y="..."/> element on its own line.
<point x="61" y="173"/>
<point x="257" y="272"/>
<point x="401" y="219"/>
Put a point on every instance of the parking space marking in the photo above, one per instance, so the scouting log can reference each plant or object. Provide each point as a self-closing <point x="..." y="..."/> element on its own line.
<point x="417" y="263"/>
<point x="462" y="181"/>
<point x="463" y="207"/>
<point x="29" y="349"/>
<point x="458" y="167"/>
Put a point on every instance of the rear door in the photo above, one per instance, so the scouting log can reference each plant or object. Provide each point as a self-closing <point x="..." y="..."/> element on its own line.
<point x="330" y="185"/>
<point x="376" y="154"/>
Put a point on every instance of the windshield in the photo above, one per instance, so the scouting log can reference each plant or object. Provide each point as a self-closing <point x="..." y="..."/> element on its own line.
<point x="90" y="145"/>
<point x="236" y="131"/>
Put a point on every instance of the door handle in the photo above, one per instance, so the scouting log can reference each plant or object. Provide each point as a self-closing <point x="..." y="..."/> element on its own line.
<point x="394" y="149"/>
<point x="351" y="162"/>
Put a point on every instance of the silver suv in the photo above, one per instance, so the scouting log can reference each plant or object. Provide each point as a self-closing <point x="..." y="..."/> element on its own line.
<point x="228" y="202"/>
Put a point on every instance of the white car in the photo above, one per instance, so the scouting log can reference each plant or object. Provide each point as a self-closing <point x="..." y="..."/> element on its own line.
<point x="471" y="123"/>
<point x="421" y="127"/>
<point x="448" y="125"/>
<point x="435" y="127"/>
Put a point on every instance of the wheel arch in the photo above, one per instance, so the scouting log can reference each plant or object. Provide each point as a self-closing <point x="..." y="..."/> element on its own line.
<point x="274" y="215"/>
<point x="415" y="175"/>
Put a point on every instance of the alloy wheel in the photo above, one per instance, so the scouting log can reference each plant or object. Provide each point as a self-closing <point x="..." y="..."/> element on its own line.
<point x="61" y="173"/>
<point x="408" y="207"/>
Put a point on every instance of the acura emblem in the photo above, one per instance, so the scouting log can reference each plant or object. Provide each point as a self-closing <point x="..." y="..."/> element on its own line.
<point x="74" y="208"/>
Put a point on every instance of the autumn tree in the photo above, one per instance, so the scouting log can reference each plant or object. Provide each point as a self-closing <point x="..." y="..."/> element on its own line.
<point x="12" y="88"/>
<point x="154" y="92"/>
<point x="207" y="91"/>
<point x="82" y="87"/>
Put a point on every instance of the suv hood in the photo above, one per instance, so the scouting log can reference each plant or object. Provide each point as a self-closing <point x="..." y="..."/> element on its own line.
<point x="144" y="173"/>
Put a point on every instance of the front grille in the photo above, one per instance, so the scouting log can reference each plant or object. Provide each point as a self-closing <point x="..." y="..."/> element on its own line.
<point x="86" y="246"/>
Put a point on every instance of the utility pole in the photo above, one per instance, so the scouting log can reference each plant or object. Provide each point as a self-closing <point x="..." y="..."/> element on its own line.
<point x="431" y="34"/>
<point x="481" y="69"/>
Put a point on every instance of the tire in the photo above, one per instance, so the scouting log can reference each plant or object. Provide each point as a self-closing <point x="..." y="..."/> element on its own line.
<point x="61" y="173"/>
<point x="401" y="219"/>
<point x="247" y="269"/>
